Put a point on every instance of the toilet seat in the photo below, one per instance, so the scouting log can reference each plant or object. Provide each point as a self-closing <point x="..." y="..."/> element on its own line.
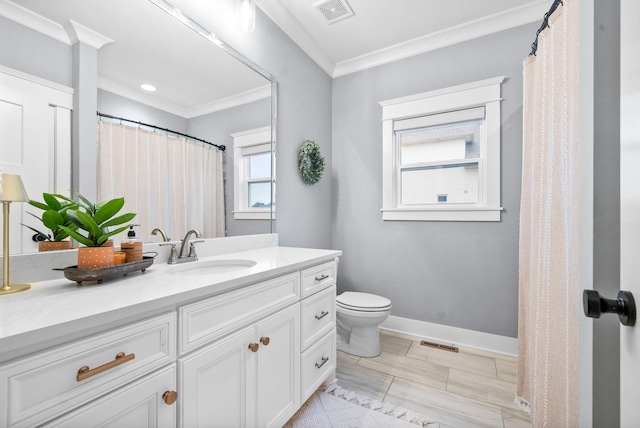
<point x="363" y="302"/>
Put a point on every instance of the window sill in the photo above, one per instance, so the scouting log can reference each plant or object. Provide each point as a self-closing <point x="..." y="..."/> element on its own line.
<point x="253" y="215"/>
<point x="442" y="213"/>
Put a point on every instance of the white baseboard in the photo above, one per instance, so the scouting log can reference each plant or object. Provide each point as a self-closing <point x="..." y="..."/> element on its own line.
<point x="453" y="335"/>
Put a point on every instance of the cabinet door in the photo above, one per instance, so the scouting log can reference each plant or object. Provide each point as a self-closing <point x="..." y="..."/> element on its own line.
<point x="279" y="367"/>
<point x="217" y="384"/>
<point x="140" y="404"/>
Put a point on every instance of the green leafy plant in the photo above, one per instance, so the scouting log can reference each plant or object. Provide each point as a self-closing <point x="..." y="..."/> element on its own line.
<point x="95" y="220"/>
<point x="55" y="214"/>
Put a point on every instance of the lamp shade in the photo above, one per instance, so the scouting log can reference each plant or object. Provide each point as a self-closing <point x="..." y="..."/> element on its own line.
<point x="12" y="189"/>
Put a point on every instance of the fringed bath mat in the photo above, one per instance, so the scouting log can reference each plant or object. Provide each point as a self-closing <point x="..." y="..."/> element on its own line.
<point x="333" y="407"/>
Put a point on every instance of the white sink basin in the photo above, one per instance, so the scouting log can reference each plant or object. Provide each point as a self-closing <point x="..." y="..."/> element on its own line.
<point x="211" y="267"/>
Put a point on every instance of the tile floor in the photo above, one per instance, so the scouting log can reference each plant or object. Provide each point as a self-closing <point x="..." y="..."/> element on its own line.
<point x="470" y="388"/>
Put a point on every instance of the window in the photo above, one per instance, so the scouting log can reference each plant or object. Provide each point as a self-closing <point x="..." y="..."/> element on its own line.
<point x="441" y="154"/>
<point x="254" y="188"/>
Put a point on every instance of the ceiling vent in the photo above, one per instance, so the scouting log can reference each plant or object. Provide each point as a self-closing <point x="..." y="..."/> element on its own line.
<point x="334" y="10"/>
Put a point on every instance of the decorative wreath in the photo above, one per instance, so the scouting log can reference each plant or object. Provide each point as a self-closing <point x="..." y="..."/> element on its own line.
<point x="310" y="162"/>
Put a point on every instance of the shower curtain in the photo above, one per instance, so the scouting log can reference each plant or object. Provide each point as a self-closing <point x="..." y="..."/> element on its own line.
<point x="549" y="296"/>
<point x="170" y="182"/>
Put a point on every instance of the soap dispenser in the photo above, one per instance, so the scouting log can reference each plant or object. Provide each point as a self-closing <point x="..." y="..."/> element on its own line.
<point x="132" y="246"/>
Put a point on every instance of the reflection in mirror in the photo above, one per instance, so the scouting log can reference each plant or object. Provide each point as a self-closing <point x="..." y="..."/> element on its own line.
<point x="204" y="89"/>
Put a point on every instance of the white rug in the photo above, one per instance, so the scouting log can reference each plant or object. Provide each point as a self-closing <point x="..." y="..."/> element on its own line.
<point x="335" y="407"/>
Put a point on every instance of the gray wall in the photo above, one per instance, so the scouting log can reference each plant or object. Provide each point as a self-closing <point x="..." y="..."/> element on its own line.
<point x="120" y="106"/>
<point x="303" y="213"/>
<point x="33" y="53"/>
<point x="461" y="274"/>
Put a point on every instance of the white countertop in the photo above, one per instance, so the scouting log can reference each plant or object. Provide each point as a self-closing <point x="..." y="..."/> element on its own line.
<point x="60" y="308"/>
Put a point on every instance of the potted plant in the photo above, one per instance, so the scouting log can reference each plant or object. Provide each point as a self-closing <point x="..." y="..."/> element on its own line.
<point x="95" y="220"/>
<point x="54" y="215"/>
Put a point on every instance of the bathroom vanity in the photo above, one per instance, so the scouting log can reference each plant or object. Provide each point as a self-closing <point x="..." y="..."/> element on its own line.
<point x="217" y="342"/>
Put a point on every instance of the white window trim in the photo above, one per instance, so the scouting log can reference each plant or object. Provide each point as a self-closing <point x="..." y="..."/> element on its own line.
<point x="475" y="94"/>
<point x="252" y="137"/>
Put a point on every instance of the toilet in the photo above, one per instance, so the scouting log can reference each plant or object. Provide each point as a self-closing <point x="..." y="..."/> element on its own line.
<point x="358" y="316"/>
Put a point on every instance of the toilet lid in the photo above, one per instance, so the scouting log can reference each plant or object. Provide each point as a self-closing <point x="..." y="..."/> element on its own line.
<point x="362" y="300"/>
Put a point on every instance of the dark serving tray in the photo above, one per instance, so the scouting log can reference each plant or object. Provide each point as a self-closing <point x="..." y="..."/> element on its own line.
<point x="100" y="274"/>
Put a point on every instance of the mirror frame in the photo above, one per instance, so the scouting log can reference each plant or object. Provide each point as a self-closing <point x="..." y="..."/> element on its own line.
<point x="209" y="36"/>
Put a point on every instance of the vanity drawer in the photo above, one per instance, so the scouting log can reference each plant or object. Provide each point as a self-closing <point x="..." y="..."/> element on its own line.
<point x="209" y="319"/>
<point x="318" y="314"/>
<point x="53" y="382"/>
<point x="318" y="363"/>
<point x="318" y="278"/>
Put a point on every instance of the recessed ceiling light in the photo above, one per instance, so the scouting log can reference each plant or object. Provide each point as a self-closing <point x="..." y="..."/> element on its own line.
<point x="148" y="87"/>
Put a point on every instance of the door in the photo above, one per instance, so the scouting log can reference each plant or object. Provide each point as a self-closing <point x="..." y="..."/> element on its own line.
<point x="217" y="384"/>
<point x="629" y="206"/>
<point x="35" y="130"/>
<point x="279" y="367"/>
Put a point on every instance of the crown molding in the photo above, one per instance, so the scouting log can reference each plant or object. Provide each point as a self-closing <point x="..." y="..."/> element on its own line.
<point x="230" y="102"/>
<point x="527" y="13"/>
<point x="32" y="20"/>
<point x="70" y="34"/>
<point x="225" y="103"/>
<point x="79" y="33"/>
<point x="296" y="32"/>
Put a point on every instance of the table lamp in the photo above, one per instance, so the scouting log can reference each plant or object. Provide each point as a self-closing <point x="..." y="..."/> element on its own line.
<point x="11" y="190"/>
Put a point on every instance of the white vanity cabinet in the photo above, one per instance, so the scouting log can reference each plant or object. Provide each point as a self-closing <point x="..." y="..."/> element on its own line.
<point x="249" y="379"/>
<point x="318" y="321"/>
<point x="50" y="383"/>
<point x="240" y="352"/>
<point x="148" y="402"/>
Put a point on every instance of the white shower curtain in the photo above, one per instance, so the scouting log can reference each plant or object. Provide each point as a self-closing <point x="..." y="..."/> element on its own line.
<point x="549" y="295"/>
<point x="170" y="182"/>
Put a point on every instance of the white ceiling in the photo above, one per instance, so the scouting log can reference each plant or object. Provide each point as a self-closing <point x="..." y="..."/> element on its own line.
<point x="147" y="45"/>
<point x="382" y="31"/>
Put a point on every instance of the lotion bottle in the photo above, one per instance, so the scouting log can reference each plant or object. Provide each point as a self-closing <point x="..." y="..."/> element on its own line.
<point x="132" y="246"/>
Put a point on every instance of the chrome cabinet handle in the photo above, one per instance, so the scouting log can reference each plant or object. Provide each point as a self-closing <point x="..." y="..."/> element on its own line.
<point x="85" y="372"/>
<point x="322" y="315"/>
<point x="322" y="278"/>
<point x="324" y="360"/>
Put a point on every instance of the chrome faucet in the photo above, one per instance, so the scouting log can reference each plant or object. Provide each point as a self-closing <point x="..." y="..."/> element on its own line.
<point x="182" y="257"/>
<point x="162" y="233"/>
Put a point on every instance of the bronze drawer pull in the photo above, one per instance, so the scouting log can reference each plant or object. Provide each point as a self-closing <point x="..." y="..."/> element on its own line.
<point x="322" y="315"/>
<point x="254" y="347"/>
<point x="322" y="277"/>
<point x="265" y="340"/>
<point x="84" y="372"/>
<point x="324" y="360"/>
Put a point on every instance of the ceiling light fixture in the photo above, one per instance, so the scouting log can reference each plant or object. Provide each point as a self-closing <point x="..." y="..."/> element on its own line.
<point x="246" y="14"/>
<point x="148" y="87"/>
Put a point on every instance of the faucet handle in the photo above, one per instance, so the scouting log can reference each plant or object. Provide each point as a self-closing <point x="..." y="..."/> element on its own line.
<point x="173" y="256"/>
<point x="192" y="248"/>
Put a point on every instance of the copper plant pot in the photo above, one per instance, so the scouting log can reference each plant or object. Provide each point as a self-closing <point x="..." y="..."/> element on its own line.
<point x="54" y="246"/>
<point x="95" y="257"/>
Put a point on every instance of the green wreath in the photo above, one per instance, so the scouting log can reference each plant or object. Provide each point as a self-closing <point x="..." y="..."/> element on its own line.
<point x="310" y="162"/>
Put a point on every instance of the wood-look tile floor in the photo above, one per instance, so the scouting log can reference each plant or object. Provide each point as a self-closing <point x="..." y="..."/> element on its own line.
<point x="470" y="388"/>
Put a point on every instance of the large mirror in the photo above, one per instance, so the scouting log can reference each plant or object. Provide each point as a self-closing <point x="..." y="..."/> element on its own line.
<point x="204" y="89"/>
